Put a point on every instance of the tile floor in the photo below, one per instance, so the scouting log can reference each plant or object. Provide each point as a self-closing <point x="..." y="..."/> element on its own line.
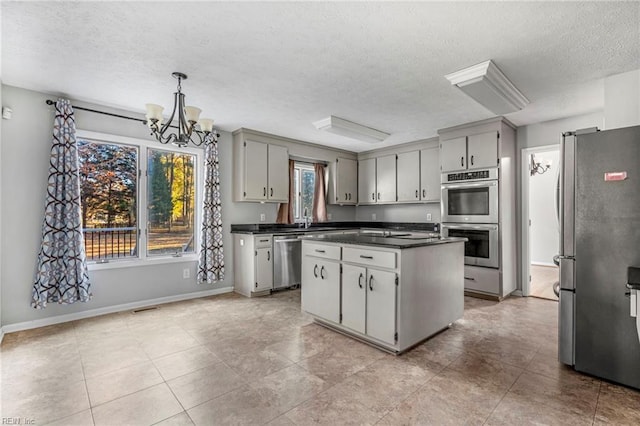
<point x="232" y="360"/>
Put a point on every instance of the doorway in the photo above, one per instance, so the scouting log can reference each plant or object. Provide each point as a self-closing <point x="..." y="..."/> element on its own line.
<point x="541" y="228"/>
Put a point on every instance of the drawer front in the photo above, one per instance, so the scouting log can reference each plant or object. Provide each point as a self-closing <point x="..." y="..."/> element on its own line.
<point x="485" y="280"/>
<point x="321" y="250"/>
<point x="262" y="241"/>
<point x="381" y="259"/>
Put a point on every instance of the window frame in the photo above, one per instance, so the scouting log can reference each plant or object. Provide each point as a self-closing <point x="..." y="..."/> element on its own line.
<point x="298" y="167"/>
<point x="143" y="146"/>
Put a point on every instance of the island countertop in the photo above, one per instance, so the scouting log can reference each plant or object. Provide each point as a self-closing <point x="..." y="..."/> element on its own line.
<point x="398" y="242"/>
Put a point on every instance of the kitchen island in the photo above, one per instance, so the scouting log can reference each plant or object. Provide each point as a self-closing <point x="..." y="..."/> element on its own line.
<point x="389" y="291"/>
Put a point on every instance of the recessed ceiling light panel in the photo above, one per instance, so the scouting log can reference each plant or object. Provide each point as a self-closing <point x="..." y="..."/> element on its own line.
<point x="488" y="86"/>
<point x="349" y="129"/>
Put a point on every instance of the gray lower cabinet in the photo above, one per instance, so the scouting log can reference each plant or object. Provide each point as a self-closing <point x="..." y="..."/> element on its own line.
<point x="391" y="298"/>
<point x="321" y="281"/>
<point x="369" y="302"/>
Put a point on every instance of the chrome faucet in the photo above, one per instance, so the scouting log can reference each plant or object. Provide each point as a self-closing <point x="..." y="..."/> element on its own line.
<point x="307" y="223"/>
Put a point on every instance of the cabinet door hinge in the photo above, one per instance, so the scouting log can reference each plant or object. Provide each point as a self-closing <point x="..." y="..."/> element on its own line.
<point x="256" y="253"/>
<point x="337" y="159"/>
<point x="395" y="337"/>
<point x="340" y="316"/>
<point x="397" y="280"/>
<point x="245" y="143"/>
<point x="244" y="194"/>
<point x="498" y="135"/>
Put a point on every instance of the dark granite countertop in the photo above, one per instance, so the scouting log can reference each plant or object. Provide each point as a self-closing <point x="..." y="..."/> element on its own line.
<point x="389" y="242"/>
<point x="276" y="228"/>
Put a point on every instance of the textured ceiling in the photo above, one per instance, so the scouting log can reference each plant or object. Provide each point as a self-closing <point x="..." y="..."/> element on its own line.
<point x="278" y="67"/>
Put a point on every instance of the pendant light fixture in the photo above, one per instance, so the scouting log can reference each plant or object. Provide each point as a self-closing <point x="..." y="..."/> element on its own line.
<point x="188" y="119"/>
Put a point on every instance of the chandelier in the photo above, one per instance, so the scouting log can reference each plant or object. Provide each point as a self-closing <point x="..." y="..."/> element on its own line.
<point x="188" y="120"/>
<point x="536" y="167"/>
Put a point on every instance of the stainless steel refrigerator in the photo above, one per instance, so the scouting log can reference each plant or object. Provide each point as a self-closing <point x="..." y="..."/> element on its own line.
<point x="599" y="243"/>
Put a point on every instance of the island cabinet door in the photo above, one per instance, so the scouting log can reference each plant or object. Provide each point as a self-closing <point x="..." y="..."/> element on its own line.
<point x="354" y="280"/>
<point x="321" y="288"/>
<point x="381" y="305"/>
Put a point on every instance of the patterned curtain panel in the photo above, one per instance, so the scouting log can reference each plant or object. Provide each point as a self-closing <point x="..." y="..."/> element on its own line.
<point x="211" y="262"/>
<point x="61" y="274"/>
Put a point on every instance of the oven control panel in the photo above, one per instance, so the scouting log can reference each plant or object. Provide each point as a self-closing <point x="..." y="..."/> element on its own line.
<point x="488" y="174"/>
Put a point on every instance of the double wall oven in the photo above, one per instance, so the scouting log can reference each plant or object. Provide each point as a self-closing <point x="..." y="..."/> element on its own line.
<point x="470" y="210"/>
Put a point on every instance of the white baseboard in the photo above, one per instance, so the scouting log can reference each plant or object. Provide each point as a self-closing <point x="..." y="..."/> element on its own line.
<point x="26" y="325"/>
<point x="553" y="265"/>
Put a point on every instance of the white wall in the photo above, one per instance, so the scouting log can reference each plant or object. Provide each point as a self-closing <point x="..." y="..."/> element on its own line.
<point x="24" y="158"/>
<point x="400" y="212"/>
<point x="622" y="100"/>
<point x="1" y="104"/>
<point x="544" y="233"/>
<point x="541" y="134"/>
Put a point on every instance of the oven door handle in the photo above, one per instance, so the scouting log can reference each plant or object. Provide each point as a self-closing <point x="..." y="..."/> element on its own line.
<point x="469" y="185"/>
<point x="465" y="226"/>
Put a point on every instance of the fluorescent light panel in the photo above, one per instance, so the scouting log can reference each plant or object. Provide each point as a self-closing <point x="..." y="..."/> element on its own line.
<point x="349" y="129"/>
<point x="488" y="86"/>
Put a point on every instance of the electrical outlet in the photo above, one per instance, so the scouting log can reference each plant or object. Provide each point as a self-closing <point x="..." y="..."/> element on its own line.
<point x="186" y="273"/>
<point x="328" y="216"/>
<point x="373" y="216"/>
<point x="428" y="216"/>
<point x="263" y="217"/>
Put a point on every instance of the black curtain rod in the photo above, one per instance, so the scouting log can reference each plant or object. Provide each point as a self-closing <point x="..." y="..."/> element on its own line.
<point x="50" y="102"/>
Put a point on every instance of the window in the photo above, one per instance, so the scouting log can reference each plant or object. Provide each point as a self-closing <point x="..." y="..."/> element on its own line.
<point x="138" y="201"/>
<point x="170" y="202"/>
<point x="304" y="185"/>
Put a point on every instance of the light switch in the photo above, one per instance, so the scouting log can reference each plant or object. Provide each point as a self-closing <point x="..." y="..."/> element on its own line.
<point x="263" y="217"/>
<point x="428" y="216"/>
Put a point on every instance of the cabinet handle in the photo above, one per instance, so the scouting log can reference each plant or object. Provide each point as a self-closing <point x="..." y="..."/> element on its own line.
<point x="373" y="195"/>
<point x="315" y="271"/>
<point x="272" y="192"/>
<point x="469" y="278"/>
<point x="424" y="193"/>
<point x="362" y="256"/>
<point x="268" y="255"/>
<point x="360" y="280"/>
<point x="264" y="241"/>
<point x="349" y="196"/>
<point x="472" y="160"/>
<point x="371" y="282"/>
<point x="378" y="195"/>
<point x="462" y="161"/>
<point x="320" y="251"/>
<point x="264" y="191"/>
<point x="322" y="272"/>
<point x="417" y="192"/>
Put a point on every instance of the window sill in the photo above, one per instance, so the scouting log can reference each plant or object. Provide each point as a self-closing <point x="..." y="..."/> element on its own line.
<point x="139" y="263"/>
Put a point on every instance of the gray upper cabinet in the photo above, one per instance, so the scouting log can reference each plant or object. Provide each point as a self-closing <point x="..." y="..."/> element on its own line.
<point x="367" y="181"/>
<point x="429" y="174"/>
<point x="482" y="150"/>
<point x="386" y="179"/>
<point x="278" y="172"/>
<point x="453" y="154"/>
<point x="469" y="152"/>
<point x="409" y="176"/>
<point x="345" y="182"/>
<point x="261" y="172"/>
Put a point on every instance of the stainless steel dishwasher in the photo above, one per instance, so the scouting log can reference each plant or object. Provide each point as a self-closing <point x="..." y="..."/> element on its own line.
<point x="287" y="261"/>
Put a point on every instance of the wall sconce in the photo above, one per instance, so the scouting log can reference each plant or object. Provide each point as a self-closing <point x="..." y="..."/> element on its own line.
<point x="536" y="167"/>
